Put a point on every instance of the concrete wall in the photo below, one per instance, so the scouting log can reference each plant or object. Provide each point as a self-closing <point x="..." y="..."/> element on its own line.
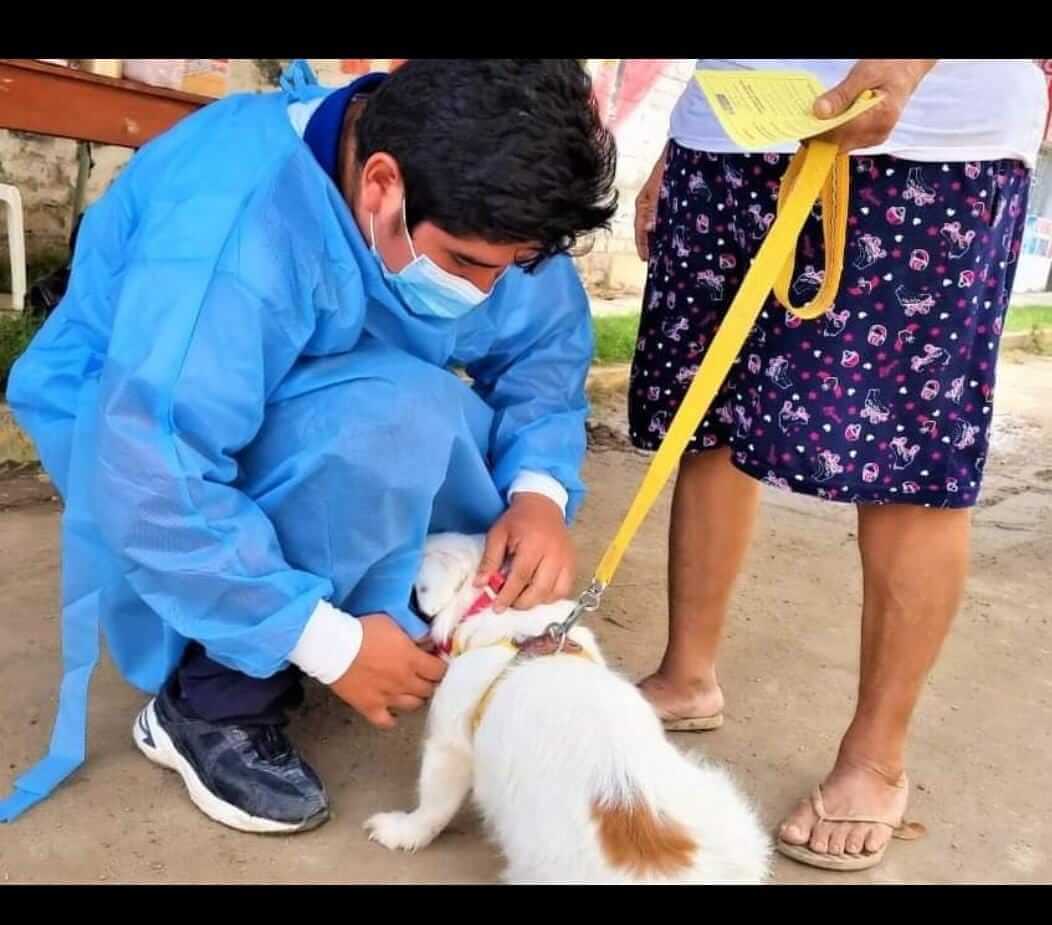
<point x="45" y="172"/>
<point x="636" y="97"/>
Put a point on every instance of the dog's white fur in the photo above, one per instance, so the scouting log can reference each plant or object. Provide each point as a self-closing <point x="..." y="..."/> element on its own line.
<point x="562" y="738"/>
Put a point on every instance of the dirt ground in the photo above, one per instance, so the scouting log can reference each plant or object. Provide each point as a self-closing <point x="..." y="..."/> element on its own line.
<point x="981" y="744"/>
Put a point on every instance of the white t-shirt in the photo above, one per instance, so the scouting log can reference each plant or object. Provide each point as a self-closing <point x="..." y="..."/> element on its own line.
<point x="963" y="110"/>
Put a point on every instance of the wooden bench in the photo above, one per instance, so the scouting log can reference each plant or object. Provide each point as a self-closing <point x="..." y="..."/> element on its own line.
<point x="51" y="100"/>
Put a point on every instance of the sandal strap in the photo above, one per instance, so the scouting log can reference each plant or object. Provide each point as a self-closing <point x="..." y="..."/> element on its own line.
<point x="820" y="811"/>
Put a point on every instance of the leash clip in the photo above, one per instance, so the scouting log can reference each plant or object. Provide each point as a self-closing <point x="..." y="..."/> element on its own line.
<point x="588" y="602"/>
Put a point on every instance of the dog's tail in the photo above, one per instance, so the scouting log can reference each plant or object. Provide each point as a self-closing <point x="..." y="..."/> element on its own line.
<point x="637" y="838"/>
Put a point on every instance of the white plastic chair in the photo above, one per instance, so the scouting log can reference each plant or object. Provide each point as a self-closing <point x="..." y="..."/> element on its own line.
<point x="16" y="244"/>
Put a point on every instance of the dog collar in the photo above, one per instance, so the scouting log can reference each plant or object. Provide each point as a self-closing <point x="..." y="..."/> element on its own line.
<point x="482" y="602"/>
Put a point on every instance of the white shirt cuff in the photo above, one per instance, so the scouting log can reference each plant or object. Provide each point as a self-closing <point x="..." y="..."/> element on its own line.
<point x="329" y="644"/>
<point x="529" y="480"/>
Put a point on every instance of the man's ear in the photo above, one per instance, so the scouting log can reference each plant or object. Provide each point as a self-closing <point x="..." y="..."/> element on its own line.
<point x="380" y="186"/>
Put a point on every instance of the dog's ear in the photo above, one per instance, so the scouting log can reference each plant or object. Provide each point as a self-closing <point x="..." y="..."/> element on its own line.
<point x="436" y="583"/>
<point x="450" y="560"/>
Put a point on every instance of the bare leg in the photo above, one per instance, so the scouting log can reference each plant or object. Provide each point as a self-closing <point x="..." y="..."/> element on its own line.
<point x="914" y="566"/>
<point x="713" y="510"/>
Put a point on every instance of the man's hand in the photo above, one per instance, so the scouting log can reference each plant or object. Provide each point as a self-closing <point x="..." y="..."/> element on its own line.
<point x="533" y="532"/>
<point x="894" y="79"/>
<point x="390" y="675"/>
<point x="646" y="207"/>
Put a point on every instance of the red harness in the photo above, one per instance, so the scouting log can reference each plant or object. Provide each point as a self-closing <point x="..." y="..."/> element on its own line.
<point x="483" y="602"/>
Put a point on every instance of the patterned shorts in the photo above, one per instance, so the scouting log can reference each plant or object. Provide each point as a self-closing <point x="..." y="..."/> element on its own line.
<point x="888" y="397"/>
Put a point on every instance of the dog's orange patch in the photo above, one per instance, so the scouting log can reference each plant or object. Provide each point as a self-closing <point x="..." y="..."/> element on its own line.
<point x="633" y="837"/>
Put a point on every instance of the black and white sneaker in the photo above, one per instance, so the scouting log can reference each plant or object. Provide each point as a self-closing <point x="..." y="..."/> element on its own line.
<point x="247" y="777"/>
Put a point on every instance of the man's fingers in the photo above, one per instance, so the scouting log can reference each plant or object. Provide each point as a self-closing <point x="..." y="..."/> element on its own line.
<point x="381" y="718"/>
<point x="564" y="584"/>
<point x="541" y="587"/>
<point x="407" y="703"/>
<point x="522" y="568"/>
<point x="429" y="667"/>
<point x="419" y="686"/>
<point x="425" y="644"/>
<point x="493" y="555"/>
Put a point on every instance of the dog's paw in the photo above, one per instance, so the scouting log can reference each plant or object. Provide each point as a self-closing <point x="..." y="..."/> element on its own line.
<point x="399" y="831"/>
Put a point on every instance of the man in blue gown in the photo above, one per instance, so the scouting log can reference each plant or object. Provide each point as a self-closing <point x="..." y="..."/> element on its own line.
<point x="245" y="399"/>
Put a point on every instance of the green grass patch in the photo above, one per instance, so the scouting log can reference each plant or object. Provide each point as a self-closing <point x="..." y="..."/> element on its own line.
<point x="615" y="335"/>
<point x="1028" y="317"/>
<point x="615" y="338"/>
<point x="16" y="331"/>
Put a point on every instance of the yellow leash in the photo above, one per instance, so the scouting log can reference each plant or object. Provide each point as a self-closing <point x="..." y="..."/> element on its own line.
<point x="816" y="170"/>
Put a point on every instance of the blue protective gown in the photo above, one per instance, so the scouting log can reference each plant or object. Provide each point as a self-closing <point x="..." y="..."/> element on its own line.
<point x="243" y="419"/>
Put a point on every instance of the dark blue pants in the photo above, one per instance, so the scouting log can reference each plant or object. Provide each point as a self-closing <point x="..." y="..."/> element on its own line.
<point x="215" y="693"/>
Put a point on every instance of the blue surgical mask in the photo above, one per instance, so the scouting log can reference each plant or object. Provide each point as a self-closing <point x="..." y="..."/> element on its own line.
<point x="425" y="287"/>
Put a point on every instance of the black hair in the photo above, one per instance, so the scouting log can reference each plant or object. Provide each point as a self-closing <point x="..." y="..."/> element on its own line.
<point x="506" y="150"/>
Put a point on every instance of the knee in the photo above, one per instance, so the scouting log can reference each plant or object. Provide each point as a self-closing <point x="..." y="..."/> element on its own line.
<point x="912" y="554"/>
<point x="408" y="411"/>
<point x="391" y="415"/>
<point x="418" y="407"/>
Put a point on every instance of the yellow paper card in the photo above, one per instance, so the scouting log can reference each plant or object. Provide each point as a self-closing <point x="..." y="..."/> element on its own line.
<point x="761" y="108"/>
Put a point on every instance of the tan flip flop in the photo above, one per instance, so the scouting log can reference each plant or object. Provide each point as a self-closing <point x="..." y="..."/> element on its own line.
<point x="693" y="723"/>
<point x="900" y="828"/>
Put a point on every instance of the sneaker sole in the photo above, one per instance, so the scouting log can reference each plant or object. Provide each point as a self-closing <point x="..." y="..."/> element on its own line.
<point x="157" y="746"/>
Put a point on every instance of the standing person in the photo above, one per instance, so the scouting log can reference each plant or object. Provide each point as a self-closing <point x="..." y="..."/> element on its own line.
<point x="885" y="403"/>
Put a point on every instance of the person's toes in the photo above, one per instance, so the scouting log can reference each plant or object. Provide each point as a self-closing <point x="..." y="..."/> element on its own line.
<point x="877" y="837"/>
<point x="838" y="838"/>
<point x="820" y="836"/>
<point x="856" y="838"/>
<point x="796" y="830"/>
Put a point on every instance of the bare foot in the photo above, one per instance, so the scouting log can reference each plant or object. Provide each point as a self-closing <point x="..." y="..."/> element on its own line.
<point x="849" y="790"/>
<point x="681" y="700"/>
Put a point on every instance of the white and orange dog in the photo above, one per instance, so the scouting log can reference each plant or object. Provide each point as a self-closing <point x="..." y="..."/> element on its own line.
<point x="570" y="765"/>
